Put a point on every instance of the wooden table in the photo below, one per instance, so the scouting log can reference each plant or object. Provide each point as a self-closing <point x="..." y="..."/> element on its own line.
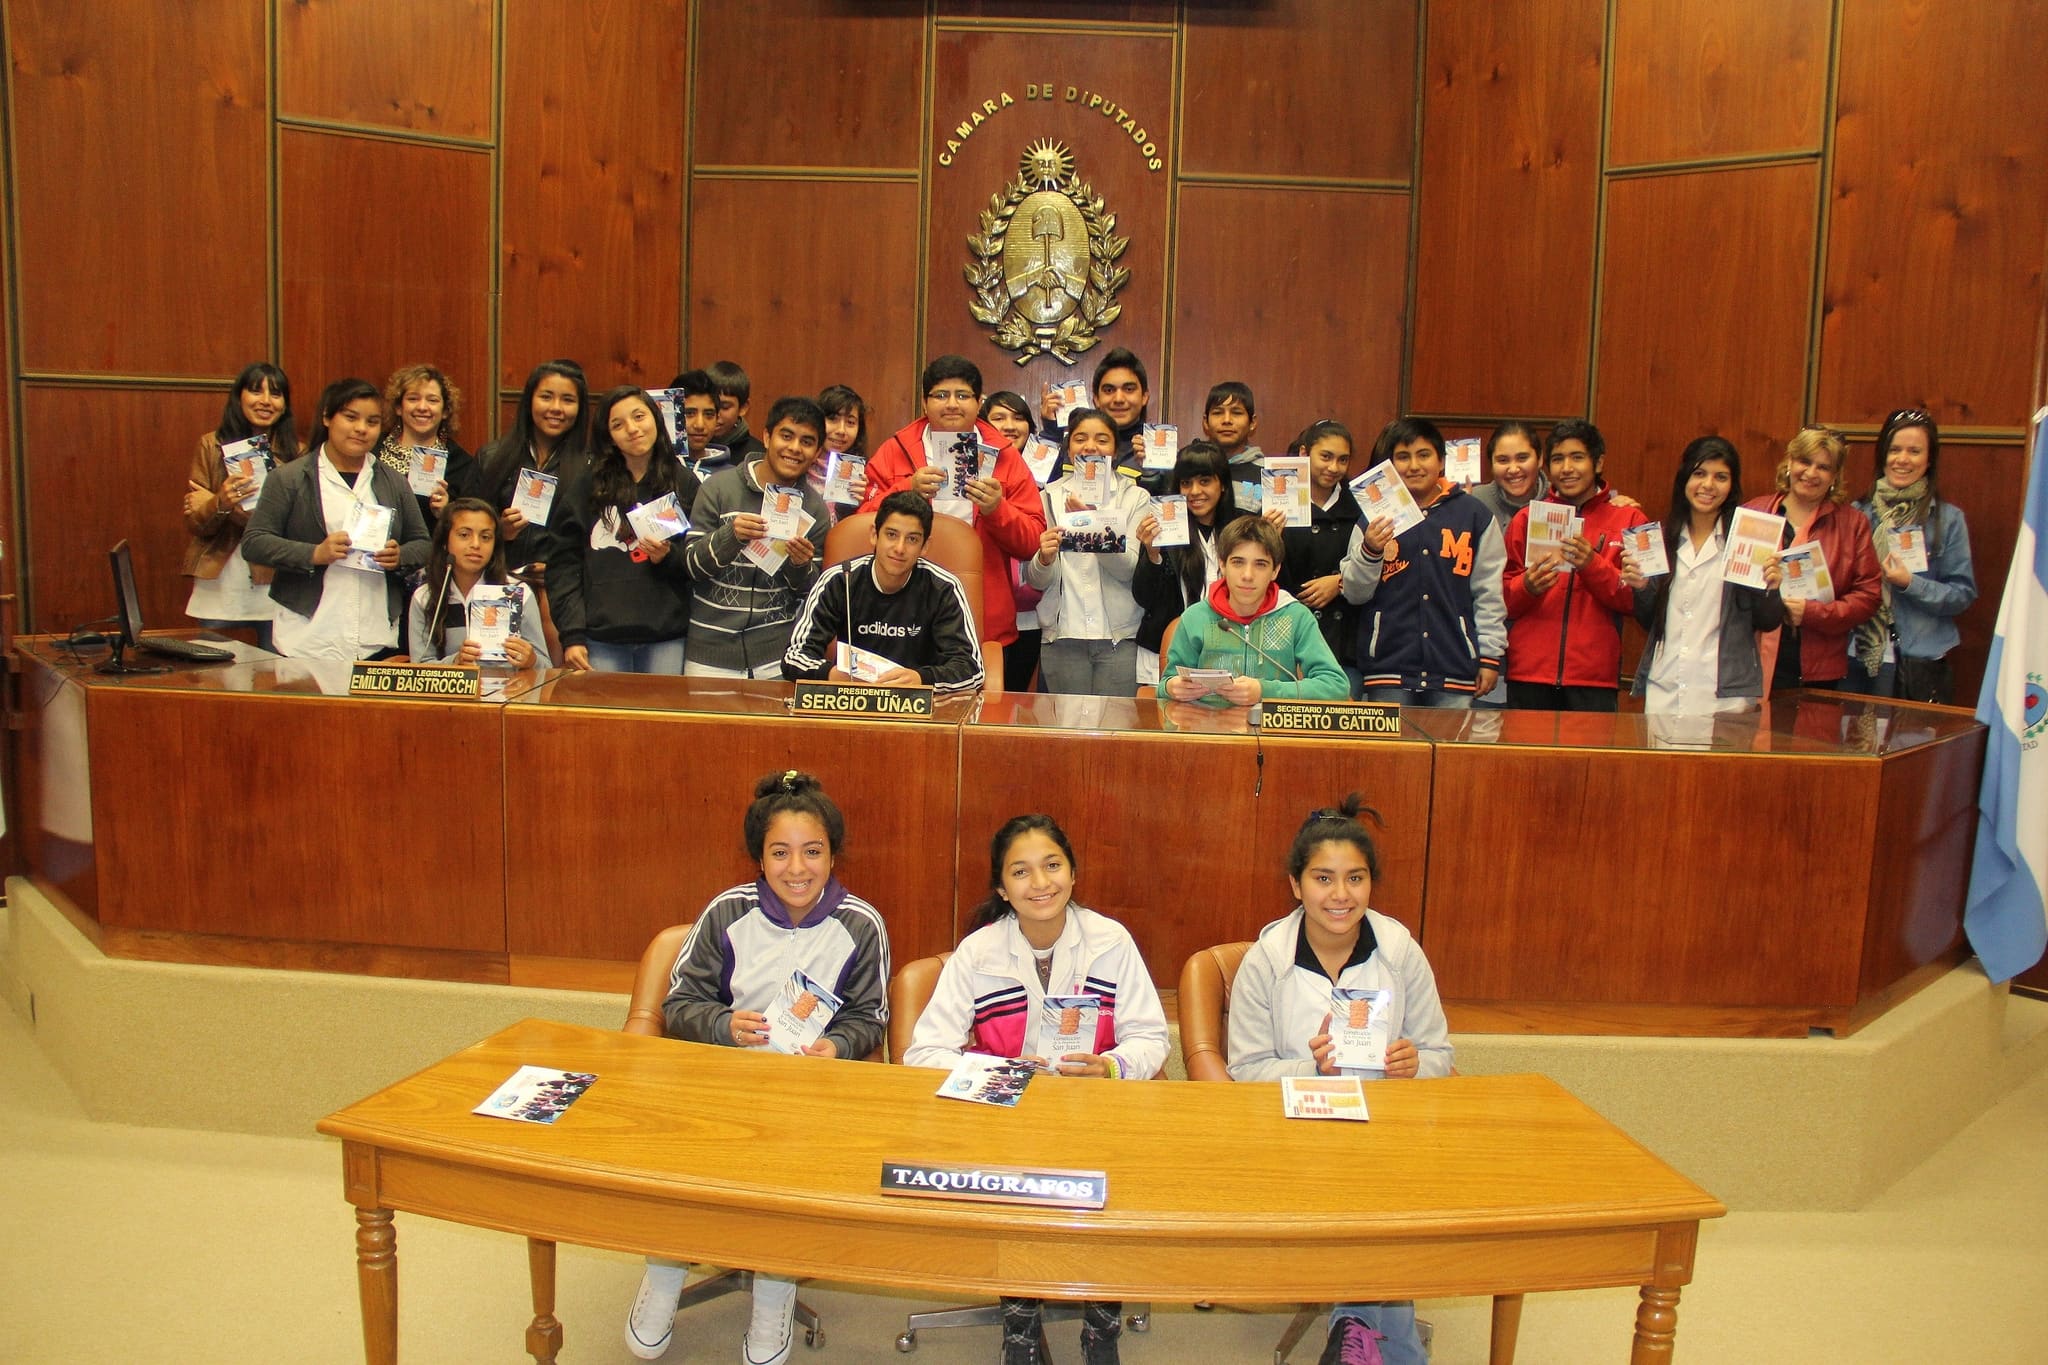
<point x="1472" y="1185"/>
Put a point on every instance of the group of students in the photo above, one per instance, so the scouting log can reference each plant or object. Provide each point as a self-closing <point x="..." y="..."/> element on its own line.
<point x="1076" y="585"/>
<point x="1032" y="938"/>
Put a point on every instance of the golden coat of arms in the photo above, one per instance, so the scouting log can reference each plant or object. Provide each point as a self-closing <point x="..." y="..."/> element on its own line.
<point x="1043" y="269"/>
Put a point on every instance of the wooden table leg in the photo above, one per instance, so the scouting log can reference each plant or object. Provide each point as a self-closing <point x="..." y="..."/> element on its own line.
<point x="377" y="1284"/>
<point x="1656" y="1326"/>
<point x="1507" y="1325"/>
<point x="544" y="1336"/>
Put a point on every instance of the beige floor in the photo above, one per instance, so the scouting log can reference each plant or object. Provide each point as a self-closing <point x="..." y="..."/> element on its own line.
<point x="161" y="1245"/>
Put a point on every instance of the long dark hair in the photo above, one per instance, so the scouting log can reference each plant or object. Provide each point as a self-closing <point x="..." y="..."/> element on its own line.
<point x="838" y="399"/>
<point x="440" y="564"/>
<point x="1196" y="459"/>
<point x="339" y="395"/>
<point x="234" y="423"/>
<point x="612" y="484"/>
<point x="1697" y="453"/>
<point x="508" y="450"/>
<point x="1015" y="828"/>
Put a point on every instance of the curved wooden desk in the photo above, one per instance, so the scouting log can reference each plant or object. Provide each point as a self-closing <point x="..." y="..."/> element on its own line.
<point x="1471" y="1185"/>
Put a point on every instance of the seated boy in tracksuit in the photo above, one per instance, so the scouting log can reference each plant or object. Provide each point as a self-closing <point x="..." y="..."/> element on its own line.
<point x="890" y="602"/>
<point x="1432" y="624"/>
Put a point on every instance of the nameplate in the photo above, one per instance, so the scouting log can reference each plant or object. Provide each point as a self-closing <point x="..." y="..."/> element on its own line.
<point x="1353" y="719"/>
<point x="998" y="1184"/>
<point x="862" y="699"/>
<point x="415" y="680"/>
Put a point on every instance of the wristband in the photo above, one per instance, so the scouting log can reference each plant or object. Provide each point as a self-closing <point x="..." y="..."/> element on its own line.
<point x="1113" y="1066"/>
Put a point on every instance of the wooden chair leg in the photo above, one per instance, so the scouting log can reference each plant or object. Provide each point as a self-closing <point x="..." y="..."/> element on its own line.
<point x="1507" y="1324"/>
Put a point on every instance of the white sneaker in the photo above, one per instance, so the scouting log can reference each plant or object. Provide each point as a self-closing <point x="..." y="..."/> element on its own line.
<point x="652" y="1323"/>
<point x="773" y="1330"/>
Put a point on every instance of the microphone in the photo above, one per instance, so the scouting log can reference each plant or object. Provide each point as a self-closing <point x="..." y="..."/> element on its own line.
<point x="1244" y="633"/>
<point x="441" y="600"/>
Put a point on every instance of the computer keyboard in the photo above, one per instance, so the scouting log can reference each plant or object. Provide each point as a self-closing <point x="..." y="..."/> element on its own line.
<point x="189" y="651"/>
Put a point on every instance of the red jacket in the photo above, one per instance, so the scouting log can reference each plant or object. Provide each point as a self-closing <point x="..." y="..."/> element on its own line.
<point x="1011" y="532"/>
<point x="1570" y="635"/>
<point x="1844" y="536"/>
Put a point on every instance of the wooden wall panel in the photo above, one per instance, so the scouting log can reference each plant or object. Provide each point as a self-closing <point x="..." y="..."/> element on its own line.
<point x="1322" y="88"/>
<point x="1705" y="78"/>
<point x="1069" y="11"/>
<point x="418" y="64"/>
<point x="109" y="465"/>
<point x="365" y="290"/>
<point x="1271" y="316"/>
<point x="1984" y="482"/>
<point x="1703" y="318"/>
<point x="809" y="83"/>
<point x="1126" y="71"/>
<point x="1510" y="186"/>
<point x="1940" y="207"/>
<point x="592" y="214"/>
<point x="139" y="153"/>
<point x="821" y="298"/>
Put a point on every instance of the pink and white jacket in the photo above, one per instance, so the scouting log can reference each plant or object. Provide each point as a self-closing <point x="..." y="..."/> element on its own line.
<point x="988" y="996"/>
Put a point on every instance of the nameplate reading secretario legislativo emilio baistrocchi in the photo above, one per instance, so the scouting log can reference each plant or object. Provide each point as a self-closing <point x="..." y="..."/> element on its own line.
<point x="862" y="699"/>
<point x="415" y="680"/>
<point x="997" y="1184"/>
<point x="1349" y="719"/>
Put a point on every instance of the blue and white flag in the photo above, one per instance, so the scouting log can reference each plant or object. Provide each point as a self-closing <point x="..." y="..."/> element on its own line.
<point x="2006" y="914"/>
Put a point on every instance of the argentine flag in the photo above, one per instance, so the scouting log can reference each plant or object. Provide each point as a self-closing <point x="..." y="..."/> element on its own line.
<point x="2006" y="914"/>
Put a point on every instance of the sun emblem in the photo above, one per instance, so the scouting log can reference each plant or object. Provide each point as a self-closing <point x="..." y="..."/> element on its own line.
<point x="1043" y="270"/>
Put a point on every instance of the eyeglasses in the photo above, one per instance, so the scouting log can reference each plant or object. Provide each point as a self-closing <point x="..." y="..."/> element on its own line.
<point x="952" y="395"/>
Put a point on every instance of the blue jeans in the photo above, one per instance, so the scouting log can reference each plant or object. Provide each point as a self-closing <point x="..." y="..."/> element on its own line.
<point x="1393" y="1321"/>
<point x="1421" y="696"/>
<point x="659" y="656"/>
<point x="1089" y="668"/>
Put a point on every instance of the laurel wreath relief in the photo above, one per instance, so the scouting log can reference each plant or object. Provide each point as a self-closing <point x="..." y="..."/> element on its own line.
<point x="1098" y="307"/>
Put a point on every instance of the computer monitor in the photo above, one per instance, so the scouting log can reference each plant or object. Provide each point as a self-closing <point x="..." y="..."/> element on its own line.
<point x="127" y="614"/>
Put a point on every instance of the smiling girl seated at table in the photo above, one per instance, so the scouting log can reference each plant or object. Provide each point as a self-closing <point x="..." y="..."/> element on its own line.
<point x="748" y="943"/>
<point x="1280" y="1014"/>
<point x="1032" y="940"/>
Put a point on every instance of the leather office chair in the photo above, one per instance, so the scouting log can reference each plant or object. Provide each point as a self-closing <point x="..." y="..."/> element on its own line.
<point x="1165" y="643"/>
<point x="909" y="993"/>
<point x="1205" y="982"/>
<point x="954" y="547"/>
<point x="644" y="1017"/>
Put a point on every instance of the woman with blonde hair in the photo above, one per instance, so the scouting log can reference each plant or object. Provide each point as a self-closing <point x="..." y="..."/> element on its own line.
<point x="1813" y="644"/>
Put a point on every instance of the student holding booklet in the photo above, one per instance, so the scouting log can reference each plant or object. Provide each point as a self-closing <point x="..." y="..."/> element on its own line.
<point x="1923" y="546"/>
<point x="550" y="429"/>
<point x="1702" y="652"/>
<point x="1432" y="629"/>
<point x="1002" y="504"/>
<point x="1245" y="640"/>
<point x="255" y="434"/>
<point x="752" y="550"/>
<point x="743" y="955"/>
<point x="1812" y="648"/>
<point x="840" y="473"/>
<point x="1008" y="413"/>
<point x="342" y="534"/>
<point x="466" y="609"/>
<point x="1083" y="567"/>
<point x="1282" y="1011"/>
<point x="619" y="582"/>
<point x="896" y="619"/>
<point x="1563" y="582"/>
<point x="1171" y="577"/>
<point x="1033" y="941"/>
<point x="1314" y="567"/>
<point x="428" y="411"/>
